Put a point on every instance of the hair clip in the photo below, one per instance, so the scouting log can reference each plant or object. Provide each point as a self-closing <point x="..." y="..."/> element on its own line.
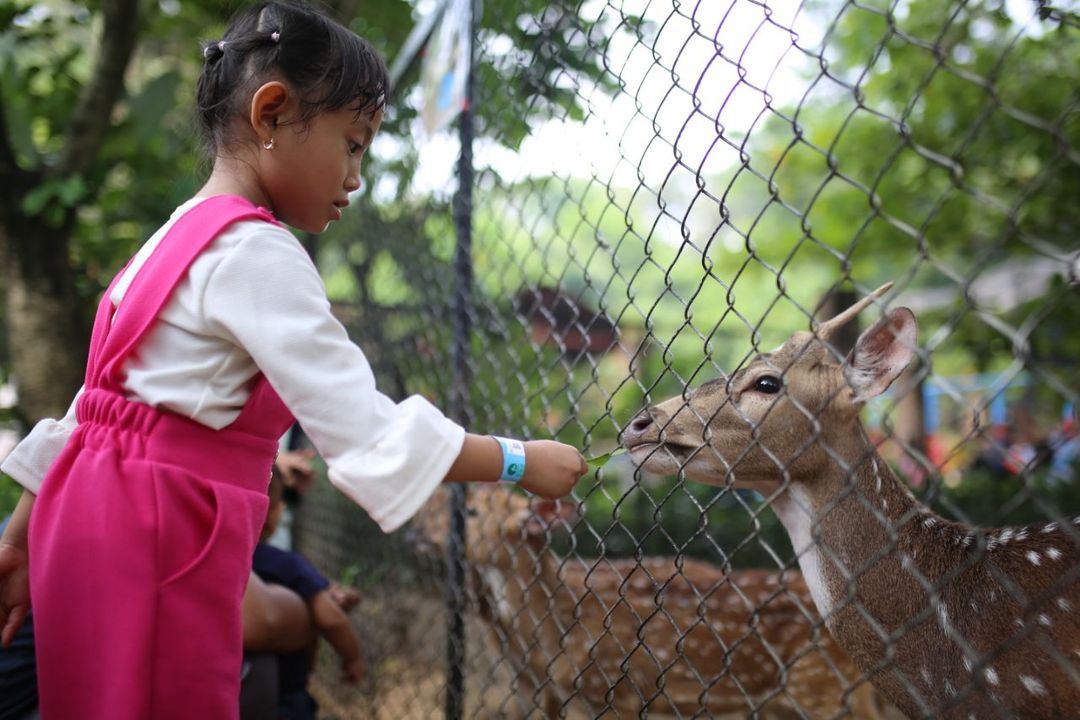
<point x="275" y="36"/>
<point x="221" y="45"/>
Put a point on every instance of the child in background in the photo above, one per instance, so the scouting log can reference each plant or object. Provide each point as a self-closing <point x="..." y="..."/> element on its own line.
<point x="141" y="508"/>
<point x="298" y="475"/>
<point x="328" y="603"/>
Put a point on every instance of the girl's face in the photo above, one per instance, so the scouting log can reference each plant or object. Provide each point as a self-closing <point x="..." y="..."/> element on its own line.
<point x="312" y="168"/>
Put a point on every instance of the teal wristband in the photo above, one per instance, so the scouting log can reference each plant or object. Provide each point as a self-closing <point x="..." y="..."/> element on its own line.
<point x="513" y="452"/>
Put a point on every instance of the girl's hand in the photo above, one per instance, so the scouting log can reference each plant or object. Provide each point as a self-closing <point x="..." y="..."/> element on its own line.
<point x="551" y="468"/>
<point x="14" y="590"/>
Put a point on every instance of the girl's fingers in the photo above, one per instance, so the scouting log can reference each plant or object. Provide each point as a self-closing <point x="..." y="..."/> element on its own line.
<point x="15" y="619"/>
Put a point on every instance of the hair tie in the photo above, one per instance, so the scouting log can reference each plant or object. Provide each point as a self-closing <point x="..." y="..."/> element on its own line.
<point x="208" y="51"/>
<point x="275" y="36"/>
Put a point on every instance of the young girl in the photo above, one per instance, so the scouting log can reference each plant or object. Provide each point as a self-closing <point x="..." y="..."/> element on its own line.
<point x="151" y="492"/>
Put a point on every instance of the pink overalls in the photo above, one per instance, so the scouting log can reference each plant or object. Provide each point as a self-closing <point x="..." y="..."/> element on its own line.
<point x="142" y="535"/>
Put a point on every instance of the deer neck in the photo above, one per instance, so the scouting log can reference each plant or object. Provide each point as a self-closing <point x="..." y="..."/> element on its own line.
<point x="870" y="551"/>
<point x="846" y="519"/>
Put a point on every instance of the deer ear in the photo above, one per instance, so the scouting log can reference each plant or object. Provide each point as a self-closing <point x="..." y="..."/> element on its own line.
<point x="881" y="354"/>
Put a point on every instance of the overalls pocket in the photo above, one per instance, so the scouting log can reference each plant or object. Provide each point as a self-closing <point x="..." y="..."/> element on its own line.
<point x="207" y="530"/>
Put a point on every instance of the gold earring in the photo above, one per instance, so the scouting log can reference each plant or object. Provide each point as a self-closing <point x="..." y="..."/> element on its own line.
<point x="269" y="144"/>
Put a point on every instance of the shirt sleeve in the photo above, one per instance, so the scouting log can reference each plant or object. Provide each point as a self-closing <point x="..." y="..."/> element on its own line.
<point x="31" y="459"/>
<point x="290" y="569"/>
<point x="267" y="297"/>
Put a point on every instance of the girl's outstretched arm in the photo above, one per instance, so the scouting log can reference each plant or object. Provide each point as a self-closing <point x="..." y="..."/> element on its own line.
<point x="551" y="468"/>
<point x="15" y="570"/>
<point x="266" y="296"/>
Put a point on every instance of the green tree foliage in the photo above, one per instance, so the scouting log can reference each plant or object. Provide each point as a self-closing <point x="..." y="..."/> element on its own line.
<point x="92" y="151"/>
<point x="939" y="143"/>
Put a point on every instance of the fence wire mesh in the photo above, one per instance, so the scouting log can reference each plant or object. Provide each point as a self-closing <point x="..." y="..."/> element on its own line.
<point x="665" y="192"/>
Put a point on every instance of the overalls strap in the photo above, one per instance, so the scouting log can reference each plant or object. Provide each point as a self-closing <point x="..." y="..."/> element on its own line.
<point x="102" y="319"/>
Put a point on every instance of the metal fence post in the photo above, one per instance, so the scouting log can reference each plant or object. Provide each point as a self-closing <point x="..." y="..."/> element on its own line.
<point x="459" y="394"/>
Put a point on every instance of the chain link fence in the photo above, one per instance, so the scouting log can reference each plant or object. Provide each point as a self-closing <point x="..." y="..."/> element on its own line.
<point x="663" y="192"/>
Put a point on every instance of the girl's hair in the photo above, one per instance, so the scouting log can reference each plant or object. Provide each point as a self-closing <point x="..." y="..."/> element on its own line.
<point x="328" y="66"/>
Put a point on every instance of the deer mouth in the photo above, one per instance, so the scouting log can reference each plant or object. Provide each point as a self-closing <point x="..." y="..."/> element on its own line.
<point x="645" y="452"/>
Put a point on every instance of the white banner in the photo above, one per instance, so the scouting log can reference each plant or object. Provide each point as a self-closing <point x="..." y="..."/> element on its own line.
<point x="446" y="67"/>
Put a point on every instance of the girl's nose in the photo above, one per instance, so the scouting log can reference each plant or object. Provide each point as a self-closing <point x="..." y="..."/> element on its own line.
<point x="352" y="181"/>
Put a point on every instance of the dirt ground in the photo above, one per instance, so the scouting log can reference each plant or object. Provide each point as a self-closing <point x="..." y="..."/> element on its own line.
<point x="405" y="642"/>
<point x="406" y="687"/>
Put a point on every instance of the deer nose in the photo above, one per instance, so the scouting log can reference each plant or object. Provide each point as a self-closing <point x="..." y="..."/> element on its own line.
<point x="637" y="428"/>
<point x="642" y="422"/>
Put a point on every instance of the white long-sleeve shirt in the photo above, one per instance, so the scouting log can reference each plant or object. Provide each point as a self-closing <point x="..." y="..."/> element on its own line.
<point x="253" y="301"/>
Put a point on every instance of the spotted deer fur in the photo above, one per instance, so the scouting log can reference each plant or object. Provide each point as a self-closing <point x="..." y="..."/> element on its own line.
<point x="948" y="620"/>
<point x="664" y="637"/>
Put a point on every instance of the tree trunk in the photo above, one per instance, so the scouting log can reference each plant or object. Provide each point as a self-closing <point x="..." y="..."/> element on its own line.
<point x="46" y="324"/>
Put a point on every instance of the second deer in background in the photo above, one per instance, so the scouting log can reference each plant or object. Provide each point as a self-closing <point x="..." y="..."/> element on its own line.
<point x="663" y="636"/>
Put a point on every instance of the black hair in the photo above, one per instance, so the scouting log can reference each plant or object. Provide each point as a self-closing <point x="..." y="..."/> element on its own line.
<point x="327" y="65"/>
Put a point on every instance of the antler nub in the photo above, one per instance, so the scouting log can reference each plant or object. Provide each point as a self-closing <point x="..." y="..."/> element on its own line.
<point x="826" y="329"/>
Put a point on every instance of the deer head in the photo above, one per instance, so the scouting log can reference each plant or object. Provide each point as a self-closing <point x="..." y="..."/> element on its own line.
<point x="783" y="415"/>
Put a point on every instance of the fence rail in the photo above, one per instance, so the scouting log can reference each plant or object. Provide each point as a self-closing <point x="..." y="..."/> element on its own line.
<point x="663" y="192"/>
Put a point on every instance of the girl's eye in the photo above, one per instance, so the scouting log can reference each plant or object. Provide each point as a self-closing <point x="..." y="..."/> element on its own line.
<point x="769" y="384"/>
<point x="355" y="147"/>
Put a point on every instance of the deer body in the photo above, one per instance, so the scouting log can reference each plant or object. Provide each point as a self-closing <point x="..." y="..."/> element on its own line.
<point x="666" y="637"/>
<point x="946" y="620"/>
<point x="723" y="643"/>
<point x="1006" y="593"/>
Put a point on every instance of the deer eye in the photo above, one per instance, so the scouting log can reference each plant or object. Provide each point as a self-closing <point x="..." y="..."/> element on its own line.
<point x="769" y="384"/>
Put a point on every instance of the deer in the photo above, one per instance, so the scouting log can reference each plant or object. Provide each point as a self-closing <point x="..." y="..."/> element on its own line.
<point x="665" y="636"/>
<point x="947" y="620"/>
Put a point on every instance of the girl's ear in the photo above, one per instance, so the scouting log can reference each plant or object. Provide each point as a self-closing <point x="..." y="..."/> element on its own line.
<point x="268" y="105"/>
<point x="881" y="354"/>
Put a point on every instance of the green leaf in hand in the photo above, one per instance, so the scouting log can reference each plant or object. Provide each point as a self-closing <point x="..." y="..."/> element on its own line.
<point x="601" y="460"/>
